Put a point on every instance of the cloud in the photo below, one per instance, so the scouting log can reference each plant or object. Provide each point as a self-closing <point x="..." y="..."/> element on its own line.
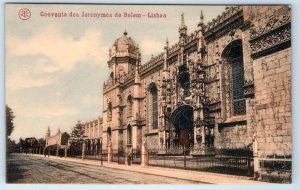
<point x="48" y="111"/>
<point x="51" y="51"/>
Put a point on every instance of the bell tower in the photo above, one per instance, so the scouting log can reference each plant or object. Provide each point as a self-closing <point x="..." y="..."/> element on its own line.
<point x="123" y="56"/>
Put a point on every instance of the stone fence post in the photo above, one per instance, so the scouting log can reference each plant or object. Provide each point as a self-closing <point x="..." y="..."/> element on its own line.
<point x="255" y="158"/>
<point x="110" y="153"/>
<point x="83" y="150"/>
<point x="145" y="155"/>
<point x="66" y="151"/>
<point x="57" y="149"/>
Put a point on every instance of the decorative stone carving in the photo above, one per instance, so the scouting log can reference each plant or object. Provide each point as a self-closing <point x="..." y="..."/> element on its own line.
<point x="249" y="89"/>
<point x="275" y="36"/>
<point x="227" y="22"/>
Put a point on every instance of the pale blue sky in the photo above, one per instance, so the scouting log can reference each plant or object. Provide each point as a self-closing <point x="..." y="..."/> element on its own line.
<point x="55" y="67"/>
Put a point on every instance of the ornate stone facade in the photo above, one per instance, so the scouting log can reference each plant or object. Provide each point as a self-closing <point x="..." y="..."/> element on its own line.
<point x="93" y="131"/>
<point x="228" y="84"/>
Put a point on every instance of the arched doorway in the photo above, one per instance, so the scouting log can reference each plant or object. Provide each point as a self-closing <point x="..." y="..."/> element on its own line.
<point x="182" y="135"/>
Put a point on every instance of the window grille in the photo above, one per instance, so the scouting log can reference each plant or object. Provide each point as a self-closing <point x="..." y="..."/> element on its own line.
<point x="239" y="103"/>
<point x="186" y="89"/>
<point x="154" y="108"/>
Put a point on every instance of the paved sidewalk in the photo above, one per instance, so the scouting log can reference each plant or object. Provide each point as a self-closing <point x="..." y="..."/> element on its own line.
<point x="201" y="177"/>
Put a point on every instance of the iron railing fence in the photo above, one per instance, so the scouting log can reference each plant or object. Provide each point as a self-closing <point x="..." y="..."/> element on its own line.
<point x="235" y="161"/>
<point x="119" y="156"/>
<point x="74" y="152"/>
<point x="93" y="153"/>
<point x="103" y="155"/>
<point x="277" y="169"/>
<point x="278" y="165"/>
<point x="52" y="151"/>
<point x="136" y="156"/>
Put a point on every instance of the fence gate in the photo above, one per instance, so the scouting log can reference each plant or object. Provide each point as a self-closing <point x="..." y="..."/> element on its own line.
<point x="136" y="156"/>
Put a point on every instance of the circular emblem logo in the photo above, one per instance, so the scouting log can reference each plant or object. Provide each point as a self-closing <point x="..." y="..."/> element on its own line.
<point x="24" y="14"/>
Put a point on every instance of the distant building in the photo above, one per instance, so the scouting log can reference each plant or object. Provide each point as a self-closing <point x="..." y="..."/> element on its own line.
<point x="56" y="142"/>
<point x="93" y="131"/>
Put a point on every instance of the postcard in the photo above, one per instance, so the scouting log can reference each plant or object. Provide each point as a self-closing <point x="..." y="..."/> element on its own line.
<point x="148" y="94"/>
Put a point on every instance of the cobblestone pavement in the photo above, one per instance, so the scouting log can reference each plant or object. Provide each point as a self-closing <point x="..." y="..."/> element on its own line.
<point x="23" y="168"/>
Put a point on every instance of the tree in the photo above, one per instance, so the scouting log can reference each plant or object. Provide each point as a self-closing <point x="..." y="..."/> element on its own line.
<point x="9" y="121"/>
<point x="21" y="144"/>
<point x="77" y="137"/>
<point x="11" y="146"/>
<point x="78" y="131"/>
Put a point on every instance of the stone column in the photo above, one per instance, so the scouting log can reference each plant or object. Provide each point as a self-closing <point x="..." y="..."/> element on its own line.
<point x="255" y="157"/>
<point x="91" y="148"/>
<point x="83" y="150"/>
<point x="66" y="151"/>
<point x="195" y="136"/>
<point x="110" y="153"/>
<point x="202" y="128"/>
<point x="145" y="156"/>
<point x="128" y="152"/>
<point x="94" y="130"/>
<point x="134" y="135"/>
<point x="164" y="139"/>
<point x="195" y="128"/>
<point x="57" y="149"/>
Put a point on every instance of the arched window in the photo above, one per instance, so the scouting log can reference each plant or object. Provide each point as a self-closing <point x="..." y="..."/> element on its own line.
<point x="108" y="135"/>
<point x="112" y="75"/>
<point x="184" y="80"/>
<point x="109" y="112"/>
<point x="239" y="103"/>
<point x="129" y="135"/>
<point x="186" y="89"/>
<point x="129" y="106"/>
<point x="154" y="106"/>
<point x="233" y="55"/>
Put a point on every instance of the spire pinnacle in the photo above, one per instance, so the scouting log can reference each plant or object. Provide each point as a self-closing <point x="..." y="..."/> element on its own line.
<point x="182" y="20"/>
<point x="167" y="42"/>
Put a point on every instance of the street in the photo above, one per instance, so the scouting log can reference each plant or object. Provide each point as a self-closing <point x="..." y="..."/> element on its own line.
<point x="23" y="168"/>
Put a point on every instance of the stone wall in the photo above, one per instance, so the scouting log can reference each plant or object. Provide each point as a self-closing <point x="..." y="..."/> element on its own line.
<point x="152" y="141"/>
<point x="273" y="103"/>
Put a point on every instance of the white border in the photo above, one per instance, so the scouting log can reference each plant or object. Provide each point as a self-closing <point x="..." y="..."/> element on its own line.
<point x="295" y="103"/>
